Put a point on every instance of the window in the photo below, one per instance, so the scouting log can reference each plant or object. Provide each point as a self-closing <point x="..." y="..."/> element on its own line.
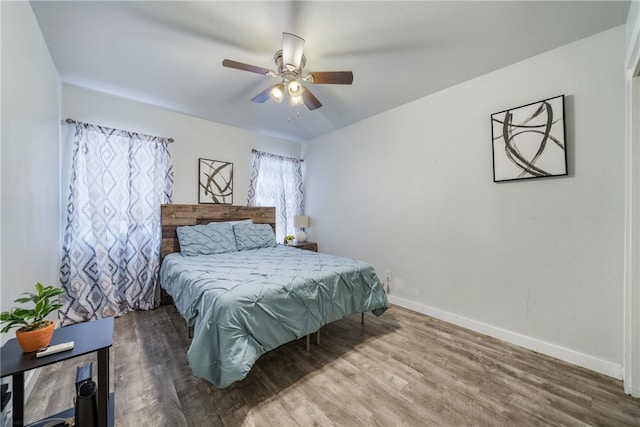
<point x="277" y="181"/>
<point x="111" y="249"/>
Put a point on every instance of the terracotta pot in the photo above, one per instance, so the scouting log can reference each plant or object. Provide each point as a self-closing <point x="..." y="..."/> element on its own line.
<point x="35" y="340"/>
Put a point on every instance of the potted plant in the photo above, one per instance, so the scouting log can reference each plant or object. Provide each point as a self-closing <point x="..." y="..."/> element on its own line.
<point x="34" y="331"/>
<point x="289" y="239"/>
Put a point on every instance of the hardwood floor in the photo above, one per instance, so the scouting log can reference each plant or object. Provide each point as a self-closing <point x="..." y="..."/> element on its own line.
<point x="402" y="368"/>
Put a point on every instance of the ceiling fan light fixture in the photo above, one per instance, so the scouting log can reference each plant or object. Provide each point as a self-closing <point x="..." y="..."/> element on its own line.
<point x="290" y="62"/>
<point x="277" y="92"/>
<point x="295" y="88"/>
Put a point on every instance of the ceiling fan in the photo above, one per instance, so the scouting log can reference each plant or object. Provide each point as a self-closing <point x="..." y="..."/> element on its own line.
<point x="290" y="62"/>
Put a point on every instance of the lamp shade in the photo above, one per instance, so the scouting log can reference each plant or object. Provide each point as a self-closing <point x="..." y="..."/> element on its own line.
<point x="301" y="221"/>
<point x="277" y="92"/>
<point x="295" y="88"/>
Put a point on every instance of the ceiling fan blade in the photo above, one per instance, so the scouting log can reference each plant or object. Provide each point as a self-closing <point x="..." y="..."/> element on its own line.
<point x="292" y="47"/>
<point x="310" y="100"/>
<point x="245" y="67"/>
<point x="262" y="96"/>
<point x="330" y="77"/>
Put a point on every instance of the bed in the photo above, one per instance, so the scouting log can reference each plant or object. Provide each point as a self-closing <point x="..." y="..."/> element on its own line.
<point x="246" y="300"/>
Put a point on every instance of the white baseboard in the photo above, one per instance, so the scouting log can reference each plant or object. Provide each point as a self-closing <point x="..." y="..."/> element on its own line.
<point x="29" y="382"/>
<point x="571" y="356"/>
<point x="631" y="390"/>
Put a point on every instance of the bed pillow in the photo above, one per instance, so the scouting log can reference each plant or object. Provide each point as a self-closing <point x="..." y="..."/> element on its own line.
<point x="253" y="236"/>
<point x="206" y="239"/>
<point x="240" y="221"/>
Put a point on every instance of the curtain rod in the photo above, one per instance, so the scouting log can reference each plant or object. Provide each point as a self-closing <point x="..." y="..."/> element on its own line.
<point x="256" y="151"/>
<point x="72" y="122"/>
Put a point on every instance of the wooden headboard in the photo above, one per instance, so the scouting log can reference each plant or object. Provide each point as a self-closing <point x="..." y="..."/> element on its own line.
<point x="174" y="216"/>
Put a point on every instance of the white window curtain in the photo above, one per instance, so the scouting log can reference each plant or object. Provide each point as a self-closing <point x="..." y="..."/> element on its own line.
<point x="111" y="248"/>
<point x="277" y="181"/>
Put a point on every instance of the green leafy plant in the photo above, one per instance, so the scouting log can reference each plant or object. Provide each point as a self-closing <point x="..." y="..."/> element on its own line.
<point x="289" y="238"/>
<point x="45" y="300"/>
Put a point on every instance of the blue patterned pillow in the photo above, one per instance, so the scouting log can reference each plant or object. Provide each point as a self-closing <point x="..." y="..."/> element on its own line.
<point x="206" y="239"/>
<point x="253" y="236"/>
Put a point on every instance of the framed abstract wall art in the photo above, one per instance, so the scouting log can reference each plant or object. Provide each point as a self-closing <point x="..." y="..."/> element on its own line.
<point x="215" y="182"/>
<point x="530" y="141"/>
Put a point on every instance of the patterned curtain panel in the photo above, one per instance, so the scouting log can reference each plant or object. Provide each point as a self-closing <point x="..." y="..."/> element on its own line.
<point x="111" y="248"/>
<point x="277" y="181"/>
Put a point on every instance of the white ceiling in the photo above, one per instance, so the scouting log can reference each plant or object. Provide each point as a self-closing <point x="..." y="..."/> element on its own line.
<point x="170" y="54"/>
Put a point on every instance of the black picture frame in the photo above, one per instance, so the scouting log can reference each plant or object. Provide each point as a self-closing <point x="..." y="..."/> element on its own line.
<point x="215" y="182"/>
<point x="529" y="141"/>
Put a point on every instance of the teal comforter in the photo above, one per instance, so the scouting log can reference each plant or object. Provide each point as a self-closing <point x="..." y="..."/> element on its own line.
<point x="245" y="303"/>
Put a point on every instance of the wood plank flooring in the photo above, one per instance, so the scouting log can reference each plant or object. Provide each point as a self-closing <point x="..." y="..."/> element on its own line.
<point x="402" y="368"/>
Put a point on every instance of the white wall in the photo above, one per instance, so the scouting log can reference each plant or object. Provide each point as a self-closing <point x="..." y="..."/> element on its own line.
<point x="194" y="138"/>
<point x="536" y="262"/>
<point x="30" y="175"/>
<point x="30" y="158"/>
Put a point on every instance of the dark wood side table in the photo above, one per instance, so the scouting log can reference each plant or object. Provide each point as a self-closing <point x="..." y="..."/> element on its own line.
<point x="309" y="246"/>
<point x="95" y="336"/>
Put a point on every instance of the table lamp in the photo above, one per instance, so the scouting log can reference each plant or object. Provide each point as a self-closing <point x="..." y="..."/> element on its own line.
<point x="301" y="222"/>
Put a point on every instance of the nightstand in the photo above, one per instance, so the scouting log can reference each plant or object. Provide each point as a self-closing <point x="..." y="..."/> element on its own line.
<point x="308" y="246"/>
